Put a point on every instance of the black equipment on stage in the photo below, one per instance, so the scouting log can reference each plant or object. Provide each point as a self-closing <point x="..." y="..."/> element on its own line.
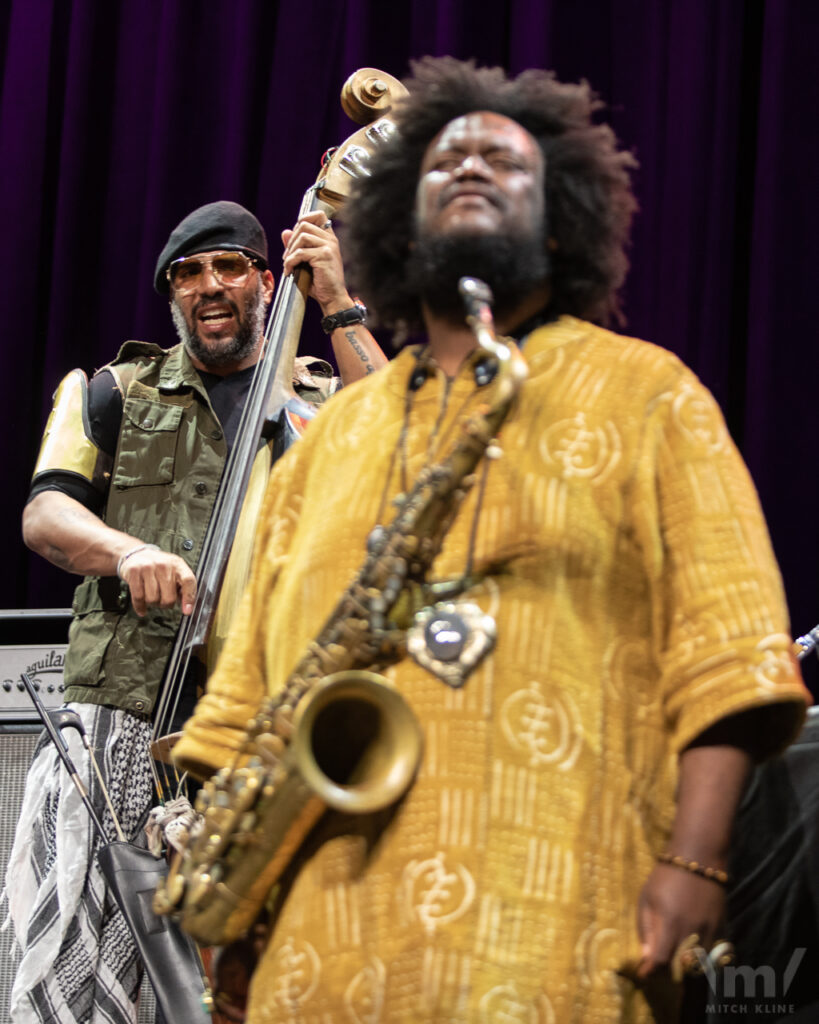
<point x="773" y="903"/>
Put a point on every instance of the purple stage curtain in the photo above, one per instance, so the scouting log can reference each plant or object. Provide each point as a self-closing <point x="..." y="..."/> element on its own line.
<point x="116" y="119"/>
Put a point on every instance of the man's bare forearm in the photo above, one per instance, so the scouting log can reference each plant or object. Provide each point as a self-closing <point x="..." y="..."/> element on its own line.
<point x="73" y="538"/>
<point x="676" y="901"/>
<point x="712" y="780"/>
<point x="357" y="352"/>
<point x="62" y="530"/>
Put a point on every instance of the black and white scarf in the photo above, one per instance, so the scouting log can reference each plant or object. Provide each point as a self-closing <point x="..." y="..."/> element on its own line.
<point x="78" y="961"/>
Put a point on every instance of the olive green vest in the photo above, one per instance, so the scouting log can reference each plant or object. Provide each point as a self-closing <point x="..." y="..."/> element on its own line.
<point x="165" y="476"/>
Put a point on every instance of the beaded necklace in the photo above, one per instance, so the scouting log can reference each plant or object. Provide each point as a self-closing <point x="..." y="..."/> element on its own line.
<point x="447" y="637"/>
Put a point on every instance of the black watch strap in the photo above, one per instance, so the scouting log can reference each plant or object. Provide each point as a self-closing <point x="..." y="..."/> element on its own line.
<point x="356" y="314"/>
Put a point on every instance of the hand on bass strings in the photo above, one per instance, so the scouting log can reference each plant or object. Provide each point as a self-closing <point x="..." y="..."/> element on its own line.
<point x="157" y="578"/>
<point x="72" y="537"/>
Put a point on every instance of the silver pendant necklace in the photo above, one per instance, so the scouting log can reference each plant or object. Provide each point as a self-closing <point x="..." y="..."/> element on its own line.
<point x="449" y="638"/>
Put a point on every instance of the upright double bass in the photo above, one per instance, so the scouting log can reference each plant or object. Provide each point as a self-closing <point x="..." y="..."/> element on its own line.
<point x="367" y="97"/>
<point x="172" y="962"/>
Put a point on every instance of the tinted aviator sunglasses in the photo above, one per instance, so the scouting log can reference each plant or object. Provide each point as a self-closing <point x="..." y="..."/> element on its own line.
<point x="231" y="270"/>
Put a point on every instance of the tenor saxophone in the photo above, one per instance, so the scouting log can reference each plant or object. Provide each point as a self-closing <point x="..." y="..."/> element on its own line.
<point x="337" y="735"/>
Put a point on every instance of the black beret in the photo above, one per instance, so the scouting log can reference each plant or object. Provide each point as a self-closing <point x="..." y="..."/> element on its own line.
<point x="221" y="225"/>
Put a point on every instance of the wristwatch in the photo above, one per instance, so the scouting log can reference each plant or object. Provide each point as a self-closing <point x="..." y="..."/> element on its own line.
<point x="356" y="314"/>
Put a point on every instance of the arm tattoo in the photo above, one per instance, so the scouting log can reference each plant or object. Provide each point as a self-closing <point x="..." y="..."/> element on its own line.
<point x="356" y="346"/>
<point x="58" y="557"/>
<point x="80" y="513"/>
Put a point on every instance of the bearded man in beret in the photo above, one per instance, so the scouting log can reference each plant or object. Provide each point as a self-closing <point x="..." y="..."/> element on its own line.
<point x="122" y="494"/>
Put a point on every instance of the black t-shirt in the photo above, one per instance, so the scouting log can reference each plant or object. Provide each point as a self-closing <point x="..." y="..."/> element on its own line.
<point x="227" y="396"/>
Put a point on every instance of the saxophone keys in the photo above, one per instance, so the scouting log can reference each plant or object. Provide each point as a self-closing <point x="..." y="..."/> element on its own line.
<point x="376" y="539"/>
<point x="334" y="653"/>
<point x="248" y="822"/>
<point x="392" y="589"/>
<point x="200" y="889"/>
<point x="270" y="743"/>
<point x="161" y="902"/>
<point x="409" y="546"/>
<point x="174" y="891"/>
<point x="284" y="721"/>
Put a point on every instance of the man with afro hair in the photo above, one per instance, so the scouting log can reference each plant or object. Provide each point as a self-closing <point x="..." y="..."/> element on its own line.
<point x="562" y="854"/>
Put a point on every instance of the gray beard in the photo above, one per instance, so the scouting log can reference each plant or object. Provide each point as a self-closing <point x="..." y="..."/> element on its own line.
<point x="512" y="265"/>
<point x="251" y="325"/>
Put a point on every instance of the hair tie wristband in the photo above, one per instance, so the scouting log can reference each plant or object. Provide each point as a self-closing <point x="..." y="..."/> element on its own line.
<point x="124" y="558"/>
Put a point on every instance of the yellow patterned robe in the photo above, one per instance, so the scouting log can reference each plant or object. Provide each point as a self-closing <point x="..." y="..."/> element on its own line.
<point x="639" y="603"/>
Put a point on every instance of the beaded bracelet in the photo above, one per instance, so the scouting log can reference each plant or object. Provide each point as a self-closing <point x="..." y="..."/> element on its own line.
<point x="133" y="551"/>
<point x="695" y="868"/>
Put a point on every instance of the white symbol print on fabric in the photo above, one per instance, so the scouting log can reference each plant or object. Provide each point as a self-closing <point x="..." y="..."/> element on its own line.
<point x="364" y="997"/>
<point x="503" y="1005"/>
<point x="436" y="895"/>
<point x="297" y="967"/>
<point x="598" y="954"/>
<point x="582" y="451"/>
<point x="695" y="413"/>
<point x="628" y="672"/>
<point x="773" y="665"/>
<point x="548" y="728"/>
<point x="690" y="634"/>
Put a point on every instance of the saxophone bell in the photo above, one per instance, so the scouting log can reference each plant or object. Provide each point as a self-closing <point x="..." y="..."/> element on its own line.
<point x="357" y="744"/>
<point x="355" y="748"/>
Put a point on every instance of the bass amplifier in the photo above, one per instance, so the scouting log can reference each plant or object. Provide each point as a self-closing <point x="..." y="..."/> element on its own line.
<point x="31" y="641"/>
